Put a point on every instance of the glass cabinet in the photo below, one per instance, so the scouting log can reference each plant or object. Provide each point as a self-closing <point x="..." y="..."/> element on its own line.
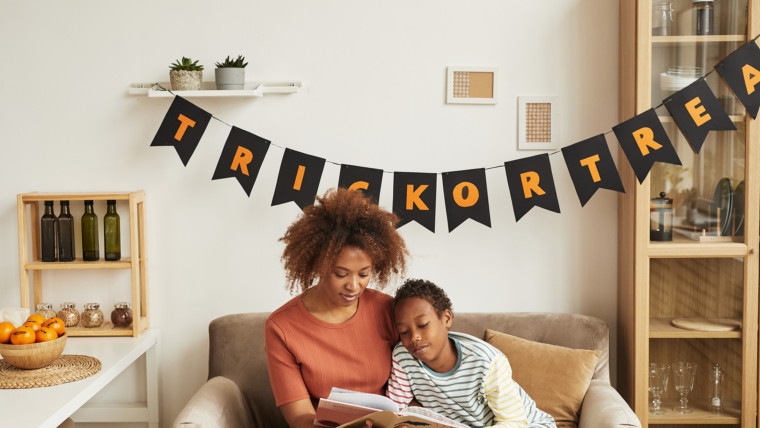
<point x="692" y="295"/>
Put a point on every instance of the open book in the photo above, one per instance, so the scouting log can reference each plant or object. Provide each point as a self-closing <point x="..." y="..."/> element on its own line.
<point x="349" y="409"/>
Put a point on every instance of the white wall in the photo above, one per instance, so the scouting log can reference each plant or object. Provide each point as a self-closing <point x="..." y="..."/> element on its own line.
<point x="375" y="83"/>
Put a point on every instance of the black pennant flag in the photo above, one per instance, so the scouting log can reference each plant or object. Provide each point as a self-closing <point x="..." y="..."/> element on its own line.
<point x="242" y="157"/>
<point x="368" y="180"/>
<point x="697" y="111"/>
<point x="591" y="167"/>
<point x="466" y="196"/>
<point x="298" y="179"/>
<point x="531" y="184"/>
<point x="182" y="127"/>
<point x="741" y="71"/>
<point x="414" y="198"/>
<point x="645" y="142"/>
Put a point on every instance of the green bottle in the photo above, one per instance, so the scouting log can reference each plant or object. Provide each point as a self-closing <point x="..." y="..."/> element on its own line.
<point x="111" y="232"/>
<point x="65" y="234"/>
<point x="90" y="247"/>
<point x="48" y="232"/>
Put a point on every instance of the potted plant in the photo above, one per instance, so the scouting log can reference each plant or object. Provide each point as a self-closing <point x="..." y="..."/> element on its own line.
<point x="186" y="75"/>
<point x="230" y="73"/>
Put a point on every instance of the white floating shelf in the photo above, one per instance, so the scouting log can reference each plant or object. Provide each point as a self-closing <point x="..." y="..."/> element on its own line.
<point x="208" y="89"/>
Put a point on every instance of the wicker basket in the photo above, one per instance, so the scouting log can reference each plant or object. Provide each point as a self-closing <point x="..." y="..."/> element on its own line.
<point x="33" y="355"/>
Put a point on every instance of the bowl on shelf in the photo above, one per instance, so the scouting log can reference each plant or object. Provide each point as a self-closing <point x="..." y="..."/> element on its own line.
<point x="33" y="355"/>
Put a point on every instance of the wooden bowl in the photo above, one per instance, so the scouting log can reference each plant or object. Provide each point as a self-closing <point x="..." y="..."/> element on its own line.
<point x="33" y="355"/>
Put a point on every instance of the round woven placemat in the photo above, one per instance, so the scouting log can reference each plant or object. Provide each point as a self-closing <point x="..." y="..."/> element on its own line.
<point x="67" y="368"/>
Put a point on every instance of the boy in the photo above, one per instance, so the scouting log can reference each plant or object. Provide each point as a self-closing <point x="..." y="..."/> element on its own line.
<point x="454" y="374"/>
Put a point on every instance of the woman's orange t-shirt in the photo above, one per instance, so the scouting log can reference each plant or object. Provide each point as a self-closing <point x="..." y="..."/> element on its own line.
<point x="306" y="357"/>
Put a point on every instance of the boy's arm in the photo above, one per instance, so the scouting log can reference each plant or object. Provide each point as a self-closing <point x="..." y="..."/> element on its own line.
<point x="399" y="390"/>
<point x="503" y="395"/>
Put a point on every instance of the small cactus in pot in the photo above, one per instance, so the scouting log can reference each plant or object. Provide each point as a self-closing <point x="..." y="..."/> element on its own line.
<point x="230" y="73"/>
<point x="186" y="75"/>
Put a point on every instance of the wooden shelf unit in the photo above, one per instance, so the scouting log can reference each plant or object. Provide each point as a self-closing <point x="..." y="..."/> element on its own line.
<point x="31" y="267"/>
<point x="660" y="281"/>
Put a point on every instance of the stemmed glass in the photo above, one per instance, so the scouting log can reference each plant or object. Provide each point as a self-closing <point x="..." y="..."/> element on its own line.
<point x="683" y="379"/>
<point x="658" y="384"/>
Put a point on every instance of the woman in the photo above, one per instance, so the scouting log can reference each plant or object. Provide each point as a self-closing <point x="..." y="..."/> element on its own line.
<point x="336" y="332"/>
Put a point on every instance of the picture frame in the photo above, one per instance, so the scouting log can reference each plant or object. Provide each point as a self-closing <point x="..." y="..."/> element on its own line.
<point x="471" y="85"/>
<point x="538" y="123"/>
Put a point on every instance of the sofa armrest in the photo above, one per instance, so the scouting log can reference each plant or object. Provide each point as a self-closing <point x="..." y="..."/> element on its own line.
<point x="604" y="407"/>
<point x="219" y="403"/>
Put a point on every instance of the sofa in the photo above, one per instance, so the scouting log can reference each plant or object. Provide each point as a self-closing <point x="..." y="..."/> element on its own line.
<point x="237" y="393"/>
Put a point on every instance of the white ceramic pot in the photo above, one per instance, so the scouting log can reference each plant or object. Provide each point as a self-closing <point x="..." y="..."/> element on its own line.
<point x="229" y="78"/>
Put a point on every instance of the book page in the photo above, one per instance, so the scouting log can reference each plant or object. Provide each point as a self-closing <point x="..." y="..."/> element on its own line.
<point x="430" y="415"/>
<point x="363" y="399"/>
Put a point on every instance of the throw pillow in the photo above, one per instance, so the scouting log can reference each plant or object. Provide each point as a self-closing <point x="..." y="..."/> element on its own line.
<point x="555" y="376"/>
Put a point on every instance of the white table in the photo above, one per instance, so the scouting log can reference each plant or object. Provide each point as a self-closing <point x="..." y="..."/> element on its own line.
<point x="50" y="406"/>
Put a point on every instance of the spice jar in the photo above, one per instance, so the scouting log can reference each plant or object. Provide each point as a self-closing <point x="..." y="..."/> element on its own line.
<point x="92" y="315"/>
<point x="69" y="314"/>
<point x="46" y="310"/>
<point x="121" y="316"/>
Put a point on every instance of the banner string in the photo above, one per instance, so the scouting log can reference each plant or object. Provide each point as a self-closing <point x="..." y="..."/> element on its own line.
<point x="661" y="104"/>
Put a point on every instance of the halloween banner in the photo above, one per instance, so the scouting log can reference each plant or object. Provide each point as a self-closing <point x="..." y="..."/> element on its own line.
<point x="695" y="110"/>
<point x="466" y="196"/>
<point x="741" y="71"/>
<point x="368" y="180"/>
<point x="591" y="167"/>
<point x="242" y="157"/>
<point x="531" y="184"/>
<point x="644" y="142"/>
<point x="299" y="179"/>
<point x="414" y="196"/>
<point x="182" y="127"/>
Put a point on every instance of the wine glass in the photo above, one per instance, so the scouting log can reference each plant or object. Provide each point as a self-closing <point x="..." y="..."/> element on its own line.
<point x="658" y="384"/>
<point x="683" y="379"/>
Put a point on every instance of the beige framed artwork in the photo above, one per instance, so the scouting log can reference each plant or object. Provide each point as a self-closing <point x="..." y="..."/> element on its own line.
<point x="538" y="123"/>
<point x="471" y="85"/>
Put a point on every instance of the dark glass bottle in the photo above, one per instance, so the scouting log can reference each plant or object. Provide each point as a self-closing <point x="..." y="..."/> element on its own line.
<point x="111" y="232"/>
<point x="48" y="232"/>
<point x="90" y="247"/>
<point x="65" y="234"/>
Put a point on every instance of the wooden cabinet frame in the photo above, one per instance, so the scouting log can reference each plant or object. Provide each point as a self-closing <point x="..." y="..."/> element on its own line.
<point x="31" y="267"/>
<point x="642" y="333"/>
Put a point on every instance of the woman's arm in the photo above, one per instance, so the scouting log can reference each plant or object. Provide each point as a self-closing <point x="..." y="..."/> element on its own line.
<point x="299" y="414"/>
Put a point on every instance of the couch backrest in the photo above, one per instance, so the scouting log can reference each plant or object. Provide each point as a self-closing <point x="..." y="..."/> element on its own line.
<point x="236" y="348"/>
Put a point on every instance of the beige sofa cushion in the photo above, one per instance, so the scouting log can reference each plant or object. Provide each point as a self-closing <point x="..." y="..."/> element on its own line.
<point x="555" y="376"/>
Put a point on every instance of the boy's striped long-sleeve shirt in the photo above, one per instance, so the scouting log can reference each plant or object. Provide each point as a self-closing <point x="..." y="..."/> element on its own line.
<point x="479" y="391"/>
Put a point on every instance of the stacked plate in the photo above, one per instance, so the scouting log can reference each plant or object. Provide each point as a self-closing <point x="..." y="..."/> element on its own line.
<point x="679" y="77"/>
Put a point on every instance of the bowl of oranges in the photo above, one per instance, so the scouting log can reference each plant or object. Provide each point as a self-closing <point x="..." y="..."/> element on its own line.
<point x="34" y="344"/>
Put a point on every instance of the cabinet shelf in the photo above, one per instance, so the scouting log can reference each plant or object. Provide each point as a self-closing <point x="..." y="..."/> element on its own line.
<point x="683" y="248"/>
<point x="79" y="264"/>
<point x="668" y="41"/>
<point x="31" y="267"/>
<point x="208" y="89"/>
<point x="730" y="415"/>
<point x="661" y="328"/>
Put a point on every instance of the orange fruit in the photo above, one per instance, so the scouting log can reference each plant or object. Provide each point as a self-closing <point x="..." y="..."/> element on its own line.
<point x="38" y="318"/>
<point x="33" y="324"/>
<point x="45" y="334"/>
<point x="56" y="324"/>
<point x="23" y="335"/>
<point x="6" y="329"/>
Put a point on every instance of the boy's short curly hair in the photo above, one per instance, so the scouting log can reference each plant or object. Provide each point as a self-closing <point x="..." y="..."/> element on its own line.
<point x="339" y="218"/>
<point x="423" y="289"/>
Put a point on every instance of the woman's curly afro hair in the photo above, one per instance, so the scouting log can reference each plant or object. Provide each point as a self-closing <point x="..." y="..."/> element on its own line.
<point x="339" y="218"/>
